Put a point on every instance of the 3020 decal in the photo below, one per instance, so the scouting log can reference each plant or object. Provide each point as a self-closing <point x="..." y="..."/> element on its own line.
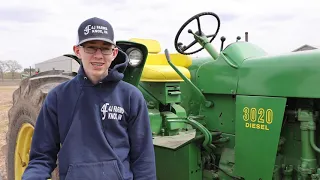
<point x="257" y="118"/>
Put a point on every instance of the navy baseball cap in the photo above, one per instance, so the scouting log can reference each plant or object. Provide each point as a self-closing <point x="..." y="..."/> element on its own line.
<point x="95" y="29"/>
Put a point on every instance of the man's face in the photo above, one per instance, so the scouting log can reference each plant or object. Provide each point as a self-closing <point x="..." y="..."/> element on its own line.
<point x="96" y="61"/>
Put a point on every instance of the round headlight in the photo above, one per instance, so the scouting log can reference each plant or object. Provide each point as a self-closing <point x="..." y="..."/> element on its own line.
<point x="135" y="56"/>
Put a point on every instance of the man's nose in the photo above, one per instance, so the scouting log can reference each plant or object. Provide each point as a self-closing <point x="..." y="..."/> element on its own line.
<point x="98" y="54"/>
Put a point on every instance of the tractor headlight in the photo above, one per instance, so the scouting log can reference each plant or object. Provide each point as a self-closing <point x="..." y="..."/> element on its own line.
<point x="135" y="56"/>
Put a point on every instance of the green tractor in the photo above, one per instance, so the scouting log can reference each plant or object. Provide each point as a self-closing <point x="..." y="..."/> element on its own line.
<point x="236" y="114"/>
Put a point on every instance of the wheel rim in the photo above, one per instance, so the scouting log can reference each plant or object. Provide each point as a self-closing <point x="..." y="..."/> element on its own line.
<point x="23" y="144"/>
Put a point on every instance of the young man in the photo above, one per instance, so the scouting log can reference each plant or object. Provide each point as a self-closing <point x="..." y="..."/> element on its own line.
<point x="101" y="121"/>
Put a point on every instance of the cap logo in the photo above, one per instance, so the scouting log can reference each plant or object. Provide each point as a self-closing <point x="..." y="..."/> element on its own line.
<point x="95" y="29"/>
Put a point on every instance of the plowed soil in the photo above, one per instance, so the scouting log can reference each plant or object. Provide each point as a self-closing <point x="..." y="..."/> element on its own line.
<point x="5" y="105"/>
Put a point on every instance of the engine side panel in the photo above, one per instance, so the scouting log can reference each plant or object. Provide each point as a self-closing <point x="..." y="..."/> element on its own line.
<point x="258" y="126"/>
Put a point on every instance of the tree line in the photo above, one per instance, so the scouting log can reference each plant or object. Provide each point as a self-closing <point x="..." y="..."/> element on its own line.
<point x="9" y="66"/>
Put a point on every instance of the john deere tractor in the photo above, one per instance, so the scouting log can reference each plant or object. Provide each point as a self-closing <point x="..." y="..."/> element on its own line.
<point x="238" y="113"/>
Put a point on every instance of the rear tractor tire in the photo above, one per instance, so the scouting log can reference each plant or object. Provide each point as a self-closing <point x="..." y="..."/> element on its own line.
<point x="27" y="102"/>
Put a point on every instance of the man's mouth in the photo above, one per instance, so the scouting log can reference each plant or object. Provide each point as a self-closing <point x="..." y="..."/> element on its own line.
<point x="97" y="64"/>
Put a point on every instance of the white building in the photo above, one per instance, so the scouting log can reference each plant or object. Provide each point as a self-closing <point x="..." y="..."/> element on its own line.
<point x="59" y="63"/>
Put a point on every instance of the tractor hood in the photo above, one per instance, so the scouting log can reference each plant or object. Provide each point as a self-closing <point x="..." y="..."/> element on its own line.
<point x="294" y="74"/>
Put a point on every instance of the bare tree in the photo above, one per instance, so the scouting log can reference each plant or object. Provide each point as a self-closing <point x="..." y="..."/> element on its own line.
<point x="3" y="68"/>
<point x="13" y="66"/>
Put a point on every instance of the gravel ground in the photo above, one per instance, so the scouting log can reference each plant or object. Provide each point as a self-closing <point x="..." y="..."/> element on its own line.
<point x="5" y="104"/>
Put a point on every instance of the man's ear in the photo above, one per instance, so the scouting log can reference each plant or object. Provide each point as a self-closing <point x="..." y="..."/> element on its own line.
<point x="115" y="53"/>
<point x="76" y="51"/>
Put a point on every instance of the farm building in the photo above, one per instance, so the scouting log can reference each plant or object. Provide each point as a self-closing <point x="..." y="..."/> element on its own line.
<point x="305" y="48"/>
<point x="59" y="63"/>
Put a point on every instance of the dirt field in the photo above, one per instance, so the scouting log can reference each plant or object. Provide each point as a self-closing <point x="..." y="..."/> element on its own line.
<point x="6" y="90"/>
<point x="5" y="104"/>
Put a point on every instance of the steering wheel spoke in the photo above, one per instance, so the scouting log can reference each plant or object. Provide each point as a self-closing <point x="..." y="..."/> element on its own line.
<point x="196" y="17"/>
<point x="184" y="48"/>
<point x="199" y="26"/>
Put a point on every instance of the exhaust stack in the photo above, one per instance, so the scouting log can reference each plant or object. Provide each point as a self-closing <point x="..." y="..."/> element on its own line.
<point x="246" y="36"/>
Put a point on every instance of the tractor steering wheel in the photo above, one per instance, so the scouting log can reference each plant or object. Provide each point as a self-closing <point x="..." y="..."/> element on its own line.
<point x="179" y="46"/>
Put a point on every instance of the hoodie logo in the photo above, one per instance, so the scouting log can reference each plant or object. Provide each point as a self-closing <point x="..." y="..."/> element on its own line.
<point x="112" y="112"/>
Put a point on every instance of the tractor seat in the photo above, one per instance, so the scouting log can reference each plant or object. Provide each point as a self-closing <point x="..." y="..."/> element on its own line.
<point x="157" y="69"/>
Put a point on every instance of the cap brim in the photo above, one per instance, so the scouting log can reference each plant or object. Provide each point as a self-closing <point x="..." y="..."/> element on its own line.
<point x="95" y="39"/>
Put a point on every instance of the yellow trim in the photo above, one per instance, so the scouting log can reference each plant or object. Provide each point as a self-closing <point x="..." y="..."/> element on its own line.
<point x="23" y="144"/>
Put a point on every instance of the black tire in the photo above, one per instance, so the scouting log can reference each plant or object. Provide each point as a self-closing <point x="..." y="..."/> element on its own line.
<point x="27" y="101"/>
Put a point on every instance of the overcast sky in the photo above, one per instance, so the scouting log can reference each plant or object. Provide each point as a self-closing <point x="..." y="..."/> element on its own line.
<point x="33" y="31"/>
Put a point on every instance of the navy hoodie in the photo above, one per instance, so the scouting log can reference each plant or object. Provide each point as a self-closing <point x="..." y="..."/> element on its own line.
<point x="104" y="131"/>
